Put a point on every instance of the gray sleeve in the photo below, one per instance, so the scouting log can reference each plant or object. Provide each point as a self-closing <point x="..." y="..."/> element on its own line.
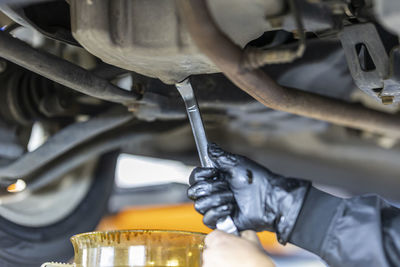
<point x="360" y="231"/>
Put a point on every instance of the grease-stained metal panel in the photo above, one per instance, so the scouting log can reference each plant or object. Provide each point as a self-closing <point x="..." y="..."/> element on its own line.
<point x="148" y="37"/>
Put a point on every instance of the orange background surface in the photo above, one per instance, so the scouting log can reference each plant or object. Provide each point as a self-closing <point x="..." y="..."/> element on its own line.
<point x="181" y="217"/>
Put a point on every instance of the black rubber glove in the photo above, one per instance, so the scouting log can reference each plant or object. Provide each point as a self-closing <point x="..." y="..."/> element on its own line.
<point x="256" y="198"/>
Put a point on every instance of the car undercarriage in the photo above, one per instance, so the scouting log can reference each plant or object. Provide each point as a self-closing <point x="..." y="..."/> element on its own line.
<point x="310" y="88"/>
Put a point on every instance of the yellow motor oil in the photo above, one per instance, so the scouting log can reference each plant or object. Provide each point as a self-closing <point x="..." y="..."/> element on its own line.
<point x="136" y="248"/>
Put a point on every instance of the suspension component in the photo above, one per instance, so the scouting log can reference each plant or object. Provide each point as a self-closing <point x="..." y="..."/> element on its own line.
<point x="61" y="71"/>
<point x="26" y="97"/>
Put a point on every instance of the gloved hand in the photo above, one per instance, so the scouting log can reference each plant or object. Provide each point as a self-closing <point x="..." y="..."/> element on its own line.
<point x="256" y="198"/>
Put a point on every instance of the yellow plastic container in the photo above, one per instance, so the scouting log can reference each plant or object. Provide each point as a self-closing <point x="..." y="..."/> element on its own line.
<point x="136" y="248"/>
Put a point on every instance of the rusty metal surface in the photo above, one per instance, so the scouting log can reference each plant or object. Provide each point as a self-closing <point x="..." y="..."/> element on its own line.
<point x="255" y="57"/>
<point x="147" y="36"/>
<point x="227" y="57"/>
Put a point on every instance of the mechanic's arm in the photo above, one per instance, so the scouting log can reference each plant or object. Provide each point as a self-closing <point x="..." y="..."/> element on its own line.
<point x="361" y="231"/>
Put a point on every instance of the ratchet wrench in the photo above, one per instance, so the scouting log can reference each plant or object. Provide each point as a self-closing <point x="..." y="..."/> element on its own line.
<point x="185" y="89"/>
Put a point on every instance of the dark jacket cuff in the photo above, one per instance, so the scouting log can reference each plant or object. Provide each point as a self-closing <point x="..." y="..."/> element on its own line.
<point x="314" y="220"/>
<point x="291" y="206"/>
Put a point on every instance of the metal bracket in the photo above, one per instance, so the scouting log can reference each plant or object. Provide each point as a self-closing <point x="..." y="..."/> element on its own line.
<point x="382" y="81"/>
<point x="391" y="89"/>
<point x="365" y="37"/>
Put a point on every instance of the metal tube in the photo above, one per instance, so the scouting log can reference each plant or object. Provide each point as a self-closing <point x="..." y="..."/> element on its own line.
<point x="61" y="71"/>
<point x="228" y="58"/>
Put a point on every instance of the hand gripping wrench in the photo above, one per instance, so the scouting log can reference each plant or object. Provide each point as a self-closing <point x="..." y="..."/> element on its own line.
<point x="185" y="89"/>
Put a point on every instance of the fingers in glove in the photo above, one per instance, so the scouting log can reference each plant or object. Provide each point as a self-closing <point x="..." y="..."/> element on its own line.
<point x="206" y="188"/>
<point x="222" y="159"/>
<point x="202" y="174"/>
<point x="212" y="216"/>
<point x="204" y="204"/>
